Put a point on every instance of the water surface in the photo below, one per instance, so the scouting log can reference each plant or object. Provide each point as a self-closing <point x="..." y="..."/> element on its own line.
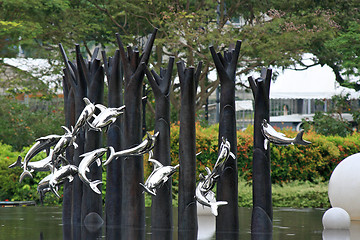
<point x="46" y="223"/>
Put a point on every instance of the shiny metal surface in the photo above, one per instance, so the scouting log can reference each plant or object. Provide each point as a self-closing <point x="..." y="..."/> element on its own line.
<point x="271" y="135"/>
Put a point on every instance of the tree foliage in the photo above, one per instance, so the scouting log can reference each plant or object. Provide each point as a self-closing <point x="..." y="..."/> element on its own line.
<point x="274" y="33"/>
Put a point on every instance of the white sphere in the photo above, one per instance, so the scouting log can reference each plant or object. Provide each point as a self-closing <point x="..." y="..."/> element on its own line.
<point x="336" y="218"/>
<point x="344" y="186"/>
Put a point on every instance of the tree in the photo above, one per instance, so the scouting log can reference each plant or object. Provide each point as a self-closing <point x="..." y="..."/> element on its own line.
<point x="274" y="33"/>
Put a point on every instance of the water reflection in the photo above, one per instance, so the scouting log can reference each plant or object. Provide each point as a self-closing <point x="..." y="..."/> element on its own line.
<point x="348" y="234"/>
<point x="46" y="223"/>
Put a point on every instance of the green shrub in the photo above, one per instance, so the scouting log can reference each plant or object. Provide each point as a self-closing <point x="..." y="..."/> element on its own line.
<point x="10" y="188"/>
<point x="20" y="125"/>
<point x="289" y="164"/>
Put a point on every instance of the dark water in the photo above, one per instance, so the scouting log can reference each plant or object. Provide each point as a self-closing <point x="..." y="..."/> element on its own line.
<point x="46" y="223"/>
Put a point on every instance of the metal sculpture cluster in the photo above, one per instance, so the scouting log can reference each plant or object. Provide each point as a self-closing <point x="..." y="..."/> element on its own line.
<point x="60" y="167"/>
<point x="75" y="158"/>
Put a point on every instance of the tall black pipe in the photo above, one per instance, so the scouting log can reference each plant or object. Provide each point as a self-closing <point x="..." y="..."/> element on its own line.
<point x="227" y="185"/>
<point x="69" y="110"/>
<point x="133" y="219"/>
<point x="161" y="208"/>
<point x="91" y="207"/>
<point x="262" y="214"/>
<point x="113" y="195"/>
<point x="76" y="78"/>
<point x="187" y="213"/>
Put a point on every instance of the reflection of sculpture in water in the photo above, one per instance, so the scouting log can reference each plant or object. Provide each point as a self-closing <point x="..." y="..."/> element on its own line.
<point x="93" y="222"/>
<point x="203" y="193"/>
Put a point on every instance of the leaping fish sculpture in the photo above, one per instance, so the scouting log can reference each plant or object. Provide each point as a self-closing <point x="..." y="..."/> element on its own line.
<point x="159" y="175"/>
<point x="212" y="176"/>
<point x="38" y="166"/>
<point x="88" y="159"/>
<point x="60" y="175"/>
<point x="44" y="187"/>
<point x="271" y="135"/>
<point x="65" y="141"/>
<point x="144" y="147"/>
<point x="86" y="114"/>
<point x="43" y="143"/>
<point x="205" y="197"/>
<point x="105" y="118"/>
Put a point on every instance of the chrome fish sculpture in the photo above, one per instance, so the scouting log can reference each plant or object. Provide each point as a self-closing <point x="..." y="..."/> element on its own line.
<point x="212" y="176"/>
<point x="105" y="118"/>
<point x="60" y="175"/>
<point x="159" y="175"/>
<point x="44" y="187"/>
<point x="203" y="197"/>
<point x="86" y="114"/>
<point x="144" y="147"/>
<point x="271" y="135"/>
<point x="38" y="166"/>
<point x="88" y="159"/>
<point x="43" y="143"/>
<point x="65" y="141"/>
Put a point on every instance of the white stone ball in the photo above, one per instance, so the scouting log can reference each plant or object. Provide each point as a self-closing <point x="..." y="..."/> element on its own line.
<point x="344" y="186"/>
<point x="336" y="218"/>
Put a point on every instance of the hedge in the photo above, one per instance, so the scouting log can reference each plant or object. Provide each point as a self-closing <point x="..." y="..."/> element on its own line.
<point x="312" y="163"/>
<point x="288" y="163"/>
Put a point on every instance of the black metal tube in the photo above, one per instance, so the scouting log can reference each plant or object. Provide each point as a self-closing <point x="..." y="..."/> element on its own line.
<point x="187" y="212"/>
<point x="91" y="201"/>
<point x="227" y="185"/>
<point x="161" y="208"/>
<point x="75" y="77"/>
<point x="261" y="222"/>
<point x="69" y="110"/>
<point x="114" y="76"/>
<point x="133" y="219"/>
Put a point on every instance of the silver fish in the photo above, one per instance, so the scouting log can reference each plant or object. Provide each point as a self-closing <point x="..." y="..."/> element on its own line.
<point x="105" y="118"/>
<point x="203" y="197"/>
<point x="60" y="175"/>
<point x="159" y="175"/>
<point x="65" y="141"/>
<point x="144" y="147"/>
<point x="38" y="166"/>
<point x="88" y="159"/>
<point x="85" y="115"/>
<point x="43" y="143"/>
<point x="44" y="187"/>
<point x="211" y="177"/>
<point x="271" y="135"/>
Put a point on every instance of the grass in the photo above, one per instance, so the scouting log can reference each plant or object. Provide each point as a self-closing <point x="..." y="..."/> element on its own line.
<point x="296" y="194"/>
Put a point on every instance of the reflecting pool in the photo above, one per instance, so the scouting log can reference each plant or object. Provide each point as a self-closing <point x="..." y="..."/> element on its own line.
<point x="46" y="223"/>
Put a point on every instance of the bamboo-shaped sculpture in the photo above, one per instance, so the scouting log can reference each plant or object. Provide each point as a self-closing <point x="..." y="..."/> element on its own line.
<point x="114" y="76"/>
<point x="69" y="109"/>
<point x="227" y="186"/>
<point x="75" y="77"/>
<point x="133" y="170"/>
<point x="161" y="208"/>
<point x="187" y="213"/>
<point x="91" y="201"/>
<point x="262" y="214"/>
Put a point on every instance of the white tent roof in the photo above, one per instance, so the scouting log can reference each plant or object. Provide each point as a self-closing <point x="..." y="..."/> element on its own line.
<point x="315" y="82"/>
